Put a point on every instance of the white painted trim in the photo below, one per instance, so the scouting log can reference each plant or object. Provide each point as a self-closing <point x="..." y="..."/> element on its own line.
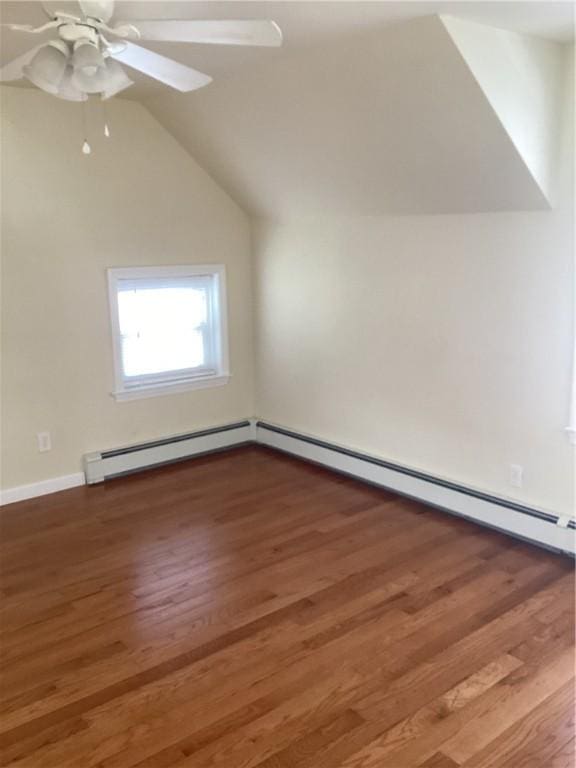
<point x="42" y="488"/>
<point x="547" y="532"/>
<point x="219" y="311"/>
<point x="171" y="388"/>
<point x="98" y="466"/>
<point x="489" y="513"/>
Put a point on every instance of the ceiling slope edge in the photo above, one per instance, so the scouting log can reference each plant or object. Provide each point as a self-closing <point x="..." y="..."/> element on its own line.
<point x="521" y="77"/>
<point x="220" y="189"/>
<point x="393" y="121"/>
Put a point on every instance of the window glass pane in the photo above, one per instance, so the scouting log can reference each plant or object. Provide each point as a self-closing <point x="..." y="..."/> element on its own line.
<point x="162" y="329"/>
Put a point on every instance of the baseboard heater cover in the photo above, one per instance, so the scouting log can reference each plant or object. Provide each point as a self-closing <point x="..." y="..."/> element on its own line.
<point x="524" y="522"/>
<point x="535" y="525"/>
<point x="103" y="465"/>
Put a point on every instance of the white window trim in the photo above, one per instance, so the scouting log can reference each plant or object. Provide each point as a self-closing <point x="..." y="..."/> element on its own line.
<point x="201" y="381"/>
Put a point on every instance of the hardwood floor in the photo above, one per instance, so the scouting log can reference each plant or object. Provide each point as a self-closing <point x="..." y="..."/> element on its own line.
<point x="247" y="610"/>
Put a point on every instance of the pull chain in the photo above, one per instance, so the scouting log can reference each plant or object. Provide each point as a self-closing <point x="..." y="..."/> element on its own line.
<point x="86" y="148"/>
<point x="105" y="113"/>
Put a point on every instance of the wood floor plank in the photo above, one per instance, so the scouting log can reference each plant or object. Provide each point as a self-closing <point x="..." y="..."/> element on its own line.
<point x="424" y="721"/>
<point x="439" y="761"/>
<point x="426" y="731"/>
<point x="526" y="697"/>
<point x="534" y="739"/>
<point x="248" y="610"/>
<point x="565" y="757"/>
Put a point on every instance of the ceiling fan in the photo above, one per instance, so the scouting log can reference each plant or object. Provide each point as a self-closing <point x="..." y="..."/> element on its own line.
<point x="86" y="55"/>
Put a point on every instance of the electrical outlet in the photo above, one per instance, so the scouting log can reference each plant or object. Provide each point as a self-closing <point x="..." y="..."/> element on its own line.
<point x="516" y="475"/>
<point x="44" y="442"/>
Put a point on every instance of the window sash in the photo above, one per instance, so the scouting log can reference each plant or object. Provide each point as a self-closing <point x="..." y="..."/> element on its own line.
<point x="208" y="279"/>
<point x="208" y="329"/>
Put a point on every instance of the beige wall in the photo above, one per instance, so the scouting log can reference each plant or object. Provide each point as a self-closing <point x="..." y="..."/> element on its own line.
<point x="439" y="342"/>
<point x="444" y="343"/>
<point x="139" y="199"/>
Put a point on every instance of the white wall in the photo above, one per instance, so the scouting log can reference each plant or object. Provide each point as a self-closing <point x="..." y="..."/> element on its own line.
<point x="139" y="199"/>
<point x="440" y="342"/>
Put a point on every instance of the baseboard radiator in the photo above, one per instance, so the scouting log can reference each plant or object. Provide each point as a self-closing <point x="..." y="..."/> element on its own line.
<point x="102" y="465"/>
<point x="534" y="525"/>
<point x="523" y="522"/>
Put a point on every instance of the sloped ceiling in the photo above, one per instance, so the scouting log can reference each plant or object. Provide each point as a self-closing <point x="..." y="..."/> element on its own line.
<point x="522" y="76"/>
<point x="369" y="107"/>
<point x="384" y="121"/>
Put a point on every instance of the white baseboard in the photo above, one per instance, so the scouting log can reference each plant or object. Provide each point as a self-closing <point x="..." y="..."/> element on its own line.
<point x="534" y="525"/>
<point x="133" y="458"/>
<point x="23" y="492"/>
<point x="107" y="464"/>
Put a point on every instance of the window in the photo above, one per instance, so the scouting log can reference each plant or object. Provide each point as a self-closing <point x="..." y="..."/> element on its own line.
<point x="168" y="328"/>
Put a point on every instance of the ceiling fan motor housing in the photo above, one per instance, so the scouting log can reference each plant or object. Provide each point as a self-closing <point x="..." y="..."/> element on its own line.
<point x="73" y="32"/>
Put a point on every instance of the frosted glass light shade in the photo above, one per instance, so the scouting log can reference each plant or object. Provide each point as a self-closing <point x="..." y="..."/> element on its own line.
<point x="73" y="77"/>
<point x="47" y="68"/>
<point x="68" y="90"/>
<point x="87" y="58"/>
<point x="90" y="83"/>
<point x="89" y="75"/>
<point x="117" y="81"/>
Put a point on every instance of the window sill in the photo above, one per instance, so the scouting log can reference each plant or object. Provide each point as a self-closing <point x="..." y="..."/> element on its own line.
<point x="170" y="388"/>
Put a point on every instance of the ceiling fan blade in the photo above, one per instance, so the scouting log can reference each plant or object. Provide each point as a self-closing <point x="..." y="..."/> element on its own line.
<point x="18" y="27"/>
<point x="12" y="70"/>
<point x="168" y="71"/>
<point x="266" y="33"/>
<point x="98" y="9"/>
<point x="52" y="7"/>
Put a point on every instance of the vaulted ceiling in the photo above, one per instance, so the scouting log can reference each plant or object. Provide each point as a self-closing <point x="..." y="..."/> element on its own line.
<point x="370" y="107"/>
<point x="431" y="115"/>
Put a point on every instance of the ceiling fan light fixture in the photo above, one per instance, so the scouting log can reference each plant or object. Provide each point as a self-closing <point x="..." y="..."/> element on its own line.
<point x="83" y="60"/>
<point x="87" y="58"/>
<point x="89" y="68"/>
<point x="86" y="84"/>
<point x="48" y="66"/>
<point x="68" y="90"/>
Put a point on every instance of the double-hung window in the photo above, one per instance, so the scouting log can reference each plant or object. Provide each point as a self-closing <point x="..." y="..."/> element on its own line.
<point x="168" y="328"/>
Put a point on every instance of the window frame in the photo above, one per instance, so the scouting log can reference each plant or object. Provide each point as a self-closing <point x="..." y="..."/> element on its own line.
<point x="172" y="382"/>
